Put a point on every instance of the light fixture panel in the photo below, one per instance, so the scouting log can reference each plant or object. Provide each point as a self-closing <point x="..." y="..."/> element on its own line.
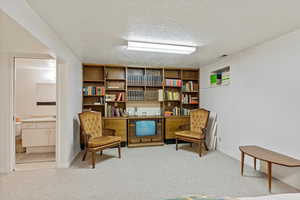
<point x="160" y="48"/>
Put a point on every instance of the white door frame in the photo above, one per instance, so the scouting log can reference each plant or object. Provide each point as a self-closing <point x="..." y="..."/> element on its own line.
<point x="12" y="151"/>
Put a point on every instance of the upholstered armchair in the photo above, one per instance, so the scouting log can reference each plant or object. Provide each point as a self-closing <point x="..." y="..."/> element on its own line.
<point x="95" y="137"/>
<point x="195" y="132"/>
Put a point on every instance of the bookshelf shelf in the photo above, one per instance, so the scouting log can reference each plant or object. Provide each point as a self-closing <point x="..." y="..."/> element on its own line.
<point x="190" y="92"/>
<point x="93" y="81"/>
<point x="172" y="100"/>
<point x="93" y="104"/>
<point x="117" y="90"/>
<point x="135" y="85"/>
<point x="189" y="79"/>
<point x="115" y="101"/>
<point x="167" y="86"/>
<point x="172" y="77"/>
<point x="93" y="95"/>
<point x="115" y="79"/>
<point x="154" y="86"/>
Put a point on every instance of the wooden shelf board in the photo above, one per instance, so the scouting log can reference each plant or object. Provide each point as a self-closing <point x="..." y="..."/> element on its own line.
<point x="135" y="85"/>
<point x="115" y="118"/>
<point x="173" y="86"/>
<point x="93" y="95"/>
<point x="107" y="89"/>
<point x="154" y="86"/>
<point x="172" y="100"/>
<point x="115" y="101"/>
<point x="146" y="144"/>
<point x="170" y="77"/>
<point x="115" y="79"/>
<point x="93" y="104"/>
<point x="138" y="101"/>
<point x="190" y="79"/>
<point x="177" y="116"/>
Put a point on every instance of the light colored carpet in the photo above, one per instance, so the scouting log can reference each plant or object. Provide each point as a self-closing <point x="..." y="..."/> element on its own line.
<point x="22" y="158"/>
<point x="150" y="173"/>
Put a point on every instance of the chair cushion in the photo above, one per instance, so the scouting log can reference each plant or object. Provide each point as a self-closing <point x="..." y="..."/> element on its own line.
<point x="190" y="134"/>
<point x="103" y="140"/>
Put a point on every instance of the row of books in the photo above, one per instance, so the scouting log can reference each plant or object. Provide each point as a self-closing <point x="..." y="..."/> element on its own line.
<point x="176" y="111"/>
<point x="172" y="95"/>
<point x="149" y="80"/>
<point x="113" y="111"/>
<point x="173" y="82"/>
<point x="135" y="95"/>
<point x="115" y="97"/>
<point x="189" y="99"/>
<point x="93" y="91"/>
<point x="185" y="111"/>
<point x="190" y="86"/>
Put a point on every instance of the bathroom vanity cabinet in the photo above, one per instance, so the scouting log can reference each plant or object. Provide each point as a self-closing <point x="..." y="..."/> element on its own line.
<point x="38" y="135"/>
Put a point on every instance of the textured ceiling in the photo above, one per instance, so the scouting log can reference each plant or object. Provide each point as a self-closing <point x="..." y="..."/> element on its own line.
<point x="97" y="30"/>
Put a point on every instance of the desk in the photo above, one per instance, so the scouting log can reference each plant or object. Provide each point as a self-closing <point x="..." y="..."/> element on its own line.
<point x="268" y="156"/>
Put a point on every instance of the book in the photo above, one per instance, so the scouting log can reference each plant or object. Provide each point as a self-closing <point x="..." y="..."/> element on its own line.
<point x="173" y="83"/>
<point x="93" y="91"/>
<point x="160" y="95"/>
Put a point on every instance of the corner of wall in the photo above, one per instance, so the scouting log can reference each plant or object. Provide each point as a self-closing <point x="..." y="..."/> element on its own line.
<point x="69" y="162"/>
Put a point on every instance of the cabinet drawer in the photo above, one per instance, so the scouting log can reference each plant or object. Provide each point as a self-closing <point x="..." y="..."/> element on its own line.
<point x="172" y="125"/>
<point x="35" y="137"/>
<point x="119" y="125"/>
<point x="46" y="125"/>
<point x="28" y="125"/>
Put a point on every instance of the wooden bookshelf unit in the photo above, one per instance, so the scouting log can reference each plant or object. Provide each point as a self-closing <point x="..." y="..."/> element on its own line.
<point x="110" y="89"/>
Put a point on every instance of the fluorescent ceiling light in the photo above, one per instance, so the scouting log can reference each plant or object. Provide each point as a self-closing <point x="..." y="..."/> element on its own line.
<point x="162" y="48"/>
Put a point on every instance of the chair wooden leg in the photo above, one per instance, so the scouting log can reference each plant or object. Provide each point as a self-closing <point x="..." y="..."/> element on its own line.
<point x="242" y="162"/>
<point x="191" y="144"/>
<point x="119" y="150"/>
<point x="200" y="149"/>
<point x="101" y="152"/>
<point x="84" y="155"/>
<point x="176" y="144"/>
<point x="93" y="159"/>
<point x="205" y="145"/>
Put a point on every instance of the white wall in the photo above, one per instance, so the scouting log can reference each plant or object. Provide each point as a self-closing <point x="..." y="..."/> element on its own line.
<point x="261" y="106"/>
<point x="26" y="92"/>
<point x="13" y="40"/>
<point x="68" y="77"/>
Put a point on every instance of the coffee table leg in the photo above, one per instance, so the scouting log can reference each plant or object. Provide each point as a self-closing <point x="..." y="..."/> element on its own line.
<point x="242" y="163"/>
<point x="254" y="163"/>
<point x="270" y="175"/>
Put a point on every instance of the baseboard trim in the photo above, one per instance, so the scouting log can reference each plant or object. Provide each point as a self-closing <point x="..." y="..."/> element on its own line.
<point x="69" y="163"/>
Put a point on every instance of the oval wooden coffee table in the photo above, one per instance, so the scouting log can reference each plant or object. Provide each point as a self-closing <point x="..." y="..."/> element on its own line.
<point x="268" y="156"/>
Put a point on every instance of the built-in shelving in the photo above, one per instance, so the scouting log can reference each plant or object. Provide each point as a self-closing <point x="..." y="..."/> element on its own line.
<point x="120" y="81"/>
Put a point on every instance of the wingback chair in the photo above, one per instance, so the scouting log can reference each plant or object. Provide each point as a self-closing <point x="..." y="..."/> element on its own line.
<point x="96" y="138"/>
<point x="197" y="129"/>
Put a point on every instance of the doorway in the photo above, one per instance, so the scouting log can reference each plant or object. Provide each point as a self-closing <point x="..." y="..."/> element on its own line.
<point x="34" y="113"/>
